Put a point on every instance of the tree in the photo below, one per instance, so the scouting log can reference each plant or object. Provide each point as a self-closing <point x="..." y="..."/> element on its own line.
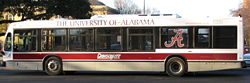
<point x="237" y="12"/>
<point x="3" y="28"/>
<point x="129" y="7"/>
<point x="126" y="7"/>
<point x="243" y="12"/>
<point x="45" y="9"/>
<point x="152" y="11"/>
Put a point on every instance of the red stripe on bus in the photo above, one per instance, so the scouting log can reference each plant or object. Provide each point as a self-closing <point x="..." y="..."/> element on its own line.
<point x="130" y="56"/>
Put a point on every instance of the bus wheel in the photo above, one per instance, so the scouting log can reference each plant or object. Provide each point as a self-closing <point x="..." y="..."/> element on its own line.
<point x="53" y="66"/>
<point x="176" y="67"/>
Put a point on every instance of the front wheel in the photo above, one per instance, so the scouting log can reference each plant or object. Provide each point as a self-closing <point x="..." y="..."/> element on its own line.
<point x="176" y="67"/>
<point x="53" y="66"/>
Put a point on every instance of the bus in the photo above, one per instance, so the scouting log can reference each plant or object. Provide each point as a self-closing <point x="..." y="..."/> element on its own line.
<point x="173" y="46"/>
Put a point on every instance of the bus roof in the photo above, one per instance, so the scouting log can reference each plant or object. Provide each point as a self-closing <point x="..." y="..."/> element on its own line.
<point x="135" y="15"/>
<point x="127" y="22"/>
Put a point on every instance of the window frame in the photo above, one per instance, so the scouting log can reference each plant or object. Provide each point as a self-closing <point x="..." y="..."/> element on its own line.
<point x="36" y="37"/>
<point x="107" y="35"/>
<point x="209" y="34"/>
<point x="153" y="35"/>
<point x="8" y="42"/>
<point x="82" y="35"/>
<point x="51" y="35"/>
<point x="235" y="36"/>
<point x="189" y="36"/>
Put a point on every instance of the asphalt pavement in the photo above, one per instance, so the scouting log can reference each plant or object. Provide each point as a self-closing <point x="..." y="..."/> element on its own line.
<point x="225" y="76"/>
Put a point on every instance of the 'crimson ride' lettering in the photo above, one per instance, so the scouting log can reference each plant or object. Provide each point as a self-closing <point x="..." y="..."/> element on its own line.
<point x="107" y="56"/>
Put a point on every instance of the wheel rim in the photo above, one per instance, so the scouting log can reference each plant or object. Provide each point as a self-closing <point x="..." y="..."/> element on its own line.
<point x="53" y="65"/>
<point x="175" y="67"/>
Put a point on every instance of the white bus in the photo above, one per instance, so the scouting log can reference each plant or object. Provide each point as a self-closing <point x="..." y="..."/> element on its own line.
<point x="170" y="45"/>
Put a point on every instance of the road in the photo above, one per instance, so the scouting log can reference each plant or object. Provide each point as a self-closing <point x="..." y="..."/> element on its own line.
<point x="226" y="76"/>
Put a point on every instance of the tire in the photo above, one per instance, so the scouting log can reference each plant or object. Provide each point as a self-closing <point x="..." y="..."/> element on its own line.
<point x="176" y="67"/>
<point x="53" y="66"/>
<point x="69" y="72"/>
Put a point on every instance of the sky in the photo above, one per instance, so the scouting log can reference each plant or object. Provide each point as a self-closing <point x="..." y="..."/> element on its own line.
<point x="188" y="8"/>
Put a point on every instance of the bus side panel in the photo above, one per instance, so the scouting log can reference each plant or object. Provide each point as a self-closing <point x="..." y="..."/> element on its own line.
<point x="194" y="66"/>
<point x="14" y="65"/>
<point x="113" y="66"/>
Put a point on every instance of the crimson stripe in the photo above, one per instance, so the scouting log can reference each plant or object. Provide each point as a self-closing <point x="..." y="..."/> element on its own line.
<point x="131" y="56"/>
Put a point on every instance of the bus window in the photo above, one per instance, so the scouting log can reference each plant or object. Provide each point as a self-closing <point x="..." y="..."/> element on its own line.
<point x="81" y="39"/>
<point x="7" y="44"/>
<point x="109" y="39"/>
<point x="225" y="37"/>
<point x="202" y="39"/>
<point x="25" y="40"/>
<point x="175" y="37"/>
<point x="54" y="40"/>
<point x="141" y="39"/>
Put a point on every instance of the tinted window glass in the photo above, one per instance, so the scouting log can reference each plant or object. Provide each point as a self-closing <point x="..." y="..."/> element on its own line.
<point x="109" y="39"/>
<point x="7" y="43"/>
<point x="54" y="40"/>
<point x="202" y="37"/>
<point x="225" y="37"/>
<point x="141" y="40"/>
<point x="25" y="40"/>
<point x="81" y="39"/>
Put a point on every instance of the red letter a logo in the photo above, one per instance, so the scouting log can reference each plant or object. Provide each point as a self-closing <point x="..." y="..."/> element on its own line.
<point x="177" y="38"/>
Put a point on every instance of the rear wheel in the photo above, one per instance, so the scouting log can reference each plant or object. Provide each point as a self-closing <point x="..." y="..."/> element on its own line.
<point x="53" y="66"/>
<point x="176" y="67"/>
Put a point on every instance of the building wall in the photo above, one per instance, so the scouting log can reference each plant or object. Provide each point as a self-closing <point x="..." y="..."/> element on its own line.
<point x="9" y="16"/>
<point x="99" y="9"/>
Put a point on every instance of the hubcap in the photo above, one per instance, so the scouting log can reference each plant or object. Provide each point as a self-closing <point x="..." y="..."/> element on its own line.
<point x="53" y="65"/>
<point x="175" y="67"/>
